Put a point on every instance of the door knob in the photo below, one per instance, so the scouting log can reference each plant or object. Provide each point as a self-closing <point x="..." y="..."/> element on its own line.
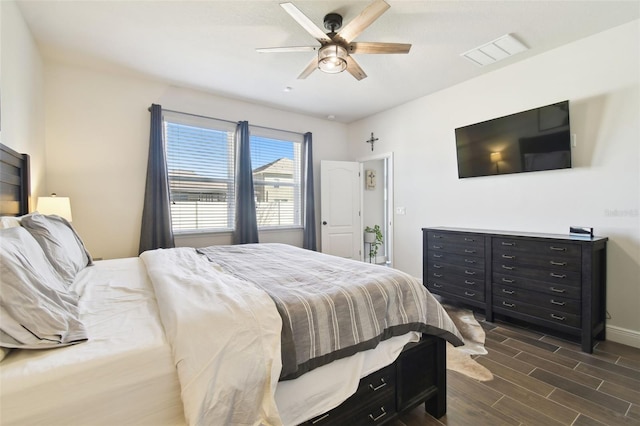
<point x="324" y="222"/>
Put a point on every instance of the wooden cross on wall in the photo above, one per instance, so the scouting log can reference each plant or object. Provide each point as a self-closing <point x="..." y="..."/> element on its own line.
<point x="372" y="140"/>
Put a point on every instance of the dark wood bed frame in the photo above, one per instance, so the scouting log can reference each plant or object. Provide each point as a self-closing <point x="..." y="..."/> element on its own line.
<point x="14" y="182"/>
<point x="417" y="376"/>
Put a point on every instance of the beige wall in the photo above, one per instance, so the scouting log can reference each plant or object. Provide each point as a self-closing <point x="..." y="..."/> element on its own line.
<point x="97" y="136"/>
<point x="22" y="94"/>
<point x="600" y="76"/>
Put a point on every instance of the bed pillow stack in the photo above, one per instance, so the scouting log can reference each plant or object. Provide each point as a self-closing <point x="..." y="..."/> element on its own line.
<point x="38" y="260"/>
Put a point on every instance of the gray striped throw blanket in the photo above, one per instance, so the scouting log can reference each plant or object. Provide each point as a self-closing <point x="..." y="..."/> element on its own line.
<point x="333" y="307"/>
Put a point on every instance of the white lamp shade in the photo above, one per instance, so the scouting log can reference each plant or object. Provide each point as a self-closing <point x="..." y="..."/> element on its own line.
<point x="60" y="206"/>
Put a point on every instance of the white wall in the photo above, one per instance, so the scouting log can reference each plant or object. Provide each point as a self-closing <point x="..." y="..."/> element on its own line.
<point x="600" y="77"/>
<point x="22" y="95"/>
<point x="97" y="136"/>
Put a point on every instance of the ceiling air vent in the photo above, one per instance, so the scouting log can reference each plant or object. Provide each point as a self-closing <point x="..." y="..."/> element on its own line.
<point x="495" y="50"/>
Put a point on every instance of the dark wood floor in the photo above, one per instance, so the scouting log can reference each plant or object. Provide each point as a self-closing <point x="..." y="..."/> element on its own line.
<point x="542" y="380"/>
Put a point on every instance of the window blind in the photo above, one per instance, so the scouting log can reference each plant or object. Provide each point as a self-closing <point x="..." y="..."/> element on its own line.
<point x="276" y="158"/>
<point x="200" y="161"/>
<point x="201" y="166"/>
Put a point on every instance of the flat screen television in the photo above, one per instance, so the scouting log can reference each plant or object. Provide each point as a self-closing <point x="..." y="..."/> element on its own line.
<point x="528" y="141"/>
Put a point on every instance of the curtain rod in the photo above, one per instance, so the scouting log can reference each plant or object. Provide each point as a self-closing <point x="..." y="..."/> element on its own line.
<point x="228" y="121"/>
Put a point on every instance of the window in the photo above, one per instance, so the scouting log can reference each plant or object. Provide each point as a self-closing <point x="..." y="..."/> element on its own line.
<point x="200" y="160"/>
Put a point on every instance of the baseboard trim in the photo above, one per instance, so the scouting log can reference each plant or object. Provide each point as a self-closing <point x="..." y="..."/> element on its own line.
<point x="624" y="336"/>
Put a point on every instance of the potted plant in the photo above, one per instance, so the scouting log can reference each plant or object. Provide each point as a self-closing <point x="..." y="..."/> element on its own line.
<point x="373" y="236"/>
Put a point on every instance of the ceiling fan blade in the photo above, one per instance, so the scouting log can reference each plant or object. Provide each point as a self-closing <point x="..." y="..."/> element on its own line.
<point x="309" y="69"/>
<point x="305" y="22"/>
<point x="286" y="49"/>
<point x="354" y="69"/>
<point x="374" y="48"/>
<point x="362" y="21"/>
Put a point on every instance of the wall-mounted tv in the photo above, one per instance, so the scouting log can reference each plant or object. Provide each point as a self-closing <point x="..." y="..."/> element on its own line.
<point x="528" y="141"/>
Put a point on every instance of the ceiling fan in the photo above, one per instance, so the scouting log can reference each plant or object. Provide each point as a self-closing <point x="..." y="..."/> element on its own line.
<point x="336" y="48"/>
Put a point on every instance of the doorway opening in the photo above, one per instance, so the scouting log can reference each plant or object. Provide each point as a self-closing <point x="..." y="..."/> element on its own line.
<point x="376" y="200"/>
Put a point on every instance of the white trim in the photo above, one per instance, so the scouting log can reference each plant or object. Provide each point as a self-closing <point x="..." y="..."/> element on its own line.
<point x="624" y="336"/>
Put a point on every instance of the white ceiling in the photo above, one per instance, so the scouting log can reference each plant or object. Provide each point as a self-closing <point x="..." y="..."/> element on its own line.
<point x="210" y="45"/>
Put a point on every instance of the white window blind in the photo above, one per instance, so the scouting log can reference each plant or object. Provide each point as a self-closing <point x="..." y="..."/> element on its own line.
<point x="200" y="160"/>
<point x="276" y="158"/>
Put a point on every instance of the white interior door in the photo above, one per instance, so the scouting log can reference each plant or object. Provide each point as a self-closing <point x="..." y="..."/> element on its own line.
<point x="340" y="209"/>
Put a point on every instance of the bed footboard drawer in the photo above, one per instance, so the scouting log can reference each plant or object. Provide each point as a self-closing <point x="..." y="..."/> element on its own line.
<point x="417" y="376"/>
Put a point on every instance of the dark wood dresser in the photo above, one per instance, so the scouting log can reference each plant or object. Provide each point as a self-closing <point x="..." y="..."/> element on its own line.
<point x="554" y="281"/>
<point x="417" y="376"/>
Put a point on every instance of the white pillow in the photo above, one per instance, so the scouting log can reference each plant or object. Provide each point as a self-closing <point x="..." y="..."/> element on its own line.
<point x="60" y="243"/>
<point x="37" y="310"/>
<point x="9" y="222"/>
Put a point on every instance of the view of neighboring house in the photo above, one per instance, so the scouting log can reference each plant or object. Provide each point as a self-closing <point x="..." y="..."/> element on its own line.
<point x="198" y="201"/>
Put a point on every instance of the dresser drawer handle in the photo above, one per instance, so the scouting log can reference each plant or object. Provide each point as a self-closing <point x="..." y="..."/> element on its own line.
<point x="554" y="248"/>
<point x="380" y="386"/>
<point x="510" y="268"/>
<point x="437" y="236"/>
<point x="437" y="275"/>
<point x="469" y="261"/>
<point x="508" y="281"/>
<point x="504" y="243"/>
<point x="504" y="290"/>
<point x="319" y="419"/>
<point x="436" y="247"/>
<point x="554" y="275"/>
<point x="469" y="272"/>
<point x="509" y="305"/>
<point x="554" y="263"/>
<point x="469" y="239"/>
<point x="436" y="285"/>
<point x="437" y="256"/>
<point x="437" y="266"/>
<point x="508" y="256"/>
<point x="467" y="282"/>
<point x="557" y="290"/>
<point x="466" y="293"/>
<point x="375" y="419"/>
<point x="555" y="302"/>
<point x="469" y="251"/>
<point x="558" y="317"/>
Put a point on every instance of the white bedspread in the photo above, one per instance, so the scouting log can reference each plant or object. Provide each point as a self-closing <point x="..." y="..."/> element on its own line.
<point x="123" y="375"/>
<point x="226" y="344"/>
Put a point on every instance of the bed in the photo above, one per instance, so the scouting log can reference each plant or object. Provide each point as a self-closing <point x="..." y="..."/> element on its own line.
<point x="130" y="352"/>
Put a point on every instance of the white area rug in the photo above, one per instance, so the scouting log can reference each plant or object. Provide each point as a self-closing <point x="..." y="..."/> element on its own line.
<point x="459" y="358"/>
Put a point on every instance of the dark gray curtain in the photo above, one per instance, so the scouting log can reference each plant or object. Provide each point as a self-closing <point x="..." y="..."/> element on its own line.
<point x="246" y="229"/>
<point x="309" y="237"/>
<point x="156" y="229"/>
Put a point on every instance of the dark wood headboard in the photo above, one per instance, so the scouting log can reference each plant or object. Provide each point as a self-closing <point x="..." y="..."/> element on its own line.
<point x="14" y="182"/>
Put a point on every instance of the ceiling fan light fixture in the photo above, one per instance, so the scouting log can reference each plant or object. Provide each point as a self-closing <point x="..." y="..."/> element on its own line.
<point x="332" y="58"/>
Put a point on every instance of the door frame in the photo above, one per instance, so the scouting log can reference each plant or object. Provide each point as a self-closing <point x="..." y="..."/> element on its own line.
<point x="388" y="156"/>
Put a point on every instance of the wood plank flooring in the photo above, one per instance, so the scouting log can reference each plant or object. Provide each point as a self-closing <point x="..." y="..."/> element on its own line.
<point x="542" y="380"/>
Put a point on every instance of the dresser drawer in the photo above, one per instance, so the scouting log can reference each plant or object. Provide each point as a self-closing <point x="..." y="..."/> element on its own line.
<point x="440" y="278"/>
<point x="459" y="249"/>
<point x="455" y="259"/>
<point x="570" y="291"/>
<point x="549" y="275"/>
<point x="436" y="267"/>
<point x="468" y="240"/>
<point x="556" y="262"/>
<point x="540" y="247"/>
<point x="454" y="290"/>
<point x="547" y="301"/>
<point x="553" y="316"/>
